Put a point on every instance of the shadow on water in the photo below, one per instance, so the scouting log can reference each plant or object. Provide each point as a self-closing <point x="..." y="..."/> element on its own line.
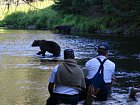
<point x="24" y="75"/>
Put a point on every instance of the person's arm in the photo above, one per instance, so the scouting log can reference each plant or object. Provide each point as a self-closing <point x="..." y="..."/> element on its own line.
<point x="51" y="80"/>
<point x="113" y="79"/>
<point x="50" y="88"/>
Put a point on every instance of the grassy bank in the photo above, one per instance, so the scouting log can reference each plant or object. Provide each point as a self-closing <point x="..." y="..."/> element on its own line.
<point x="50" y="18"/>
<point x="47" y="18"/>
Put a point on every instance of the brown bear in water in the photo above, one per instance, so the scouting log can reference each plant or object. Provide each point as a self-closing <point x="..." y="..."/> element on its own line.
<point x="50" y="46"/>
<point x="64" y="29"/>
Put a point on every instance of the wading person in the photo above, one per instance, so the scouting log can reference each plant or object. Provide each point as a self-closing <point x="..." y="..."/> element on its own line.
<point x="99" y="74"/>
<point x="66" y="81"/>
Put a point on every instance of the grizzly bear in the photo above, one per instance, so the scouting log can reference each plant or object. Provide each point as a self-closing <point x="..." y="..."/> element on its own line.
<point x="64" y="29"/>
<point x="49" y="46"/>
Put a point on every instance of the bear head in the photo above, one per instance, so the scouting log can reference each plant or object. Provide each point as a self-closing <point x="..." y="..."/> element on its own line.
<point x="35" y="43"/>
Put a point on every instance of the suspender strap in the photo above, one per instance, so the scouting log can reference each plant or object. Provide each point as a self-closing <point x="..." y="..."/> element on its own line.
<point x="101" y="68"/>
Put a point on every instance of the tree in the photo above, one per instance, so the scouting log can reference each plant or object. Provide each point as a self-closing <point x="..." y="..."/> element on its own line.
<point x="9" y="3"/>
<point x="112" y="7"/>
<point x="124" y="8"/>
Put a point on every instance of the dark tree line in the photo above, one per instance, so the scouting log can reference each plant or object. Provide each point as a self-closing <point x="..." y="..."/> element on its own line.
<point x="125" y="8"/>
<point x="112" y="7"/>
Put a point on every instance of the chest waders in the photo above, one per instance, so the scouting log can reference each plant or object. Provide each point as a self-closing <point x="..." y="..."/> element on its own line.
<point x="98" y="80"/>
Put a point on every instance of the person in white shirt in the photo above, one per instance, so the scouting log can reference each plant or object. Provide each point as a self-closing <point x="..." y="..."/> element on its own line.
<point x="100" y="72"/>
<point x="66" y="81"/>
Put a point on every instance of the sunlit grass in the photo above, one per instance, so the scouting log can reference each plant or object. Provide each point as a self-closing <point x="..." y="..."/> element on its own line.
<point x="23" y="7"/>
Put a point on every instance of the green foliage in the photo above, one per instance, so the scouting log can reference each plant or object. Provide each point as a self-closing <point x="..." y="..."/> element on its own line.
<point x="122" y="7"/>
<point x="39" y="19"/>
<point x="125" y="8"/>
<point x="14" y="19"/>
<point x="49" y="18"/>
<point x="70" y="6"/>
<point x="2" y="23"/>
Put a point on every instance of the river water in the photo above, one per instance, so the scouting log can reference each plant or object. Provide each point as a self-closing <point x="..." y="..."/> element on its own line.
<point x="24" y="75"/>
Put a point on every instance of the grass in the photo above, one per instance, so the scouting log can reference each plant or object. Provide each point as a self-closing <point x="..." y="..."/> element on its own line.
<point x="46" y="17"/>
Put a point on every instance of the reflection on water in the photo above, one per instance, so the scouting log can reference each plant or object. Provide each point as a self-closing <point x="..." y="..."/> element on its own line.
<point x="24" y="75"/>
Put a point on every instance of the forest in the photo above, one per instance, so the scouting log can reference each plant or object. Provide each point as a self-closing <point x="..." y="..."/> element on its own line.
<point x="91" y="16"/>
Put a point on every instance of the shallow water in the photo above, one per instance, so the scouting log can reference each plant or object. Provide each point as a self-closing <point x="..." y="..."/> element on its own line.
<point x="24" y="75"/>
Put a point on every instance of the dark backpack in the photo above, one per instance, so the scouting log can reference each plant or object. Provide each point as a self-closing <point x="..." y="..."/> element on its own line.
<point x="98" y="80"/>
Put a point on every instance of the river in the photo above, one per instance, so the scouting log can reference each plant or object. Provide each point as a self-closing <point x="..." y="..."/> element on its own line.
<point x="24" y="75"/>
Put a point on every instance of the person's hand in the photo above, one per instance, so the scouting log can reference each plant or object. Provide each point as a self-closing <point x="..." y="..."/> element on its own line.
<point x="113" y="79"/>
<point x="91" y="95"/>
<point x="93" y="91"/>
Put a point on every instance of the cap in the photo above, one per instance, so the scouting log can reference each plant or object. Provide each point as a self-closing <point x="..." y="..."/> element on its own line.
<point x="68" y="53"/>
<point x="103" y="46"/>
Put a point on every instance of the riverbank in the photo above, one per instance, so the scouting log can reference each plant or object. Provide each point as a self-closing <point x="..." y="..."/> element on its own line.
<point x="47" y="19"/>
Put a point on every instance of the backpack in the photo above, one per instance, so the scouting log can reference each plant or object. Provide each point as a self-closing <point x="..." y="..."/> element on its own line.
<point x="98" y="80"/>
